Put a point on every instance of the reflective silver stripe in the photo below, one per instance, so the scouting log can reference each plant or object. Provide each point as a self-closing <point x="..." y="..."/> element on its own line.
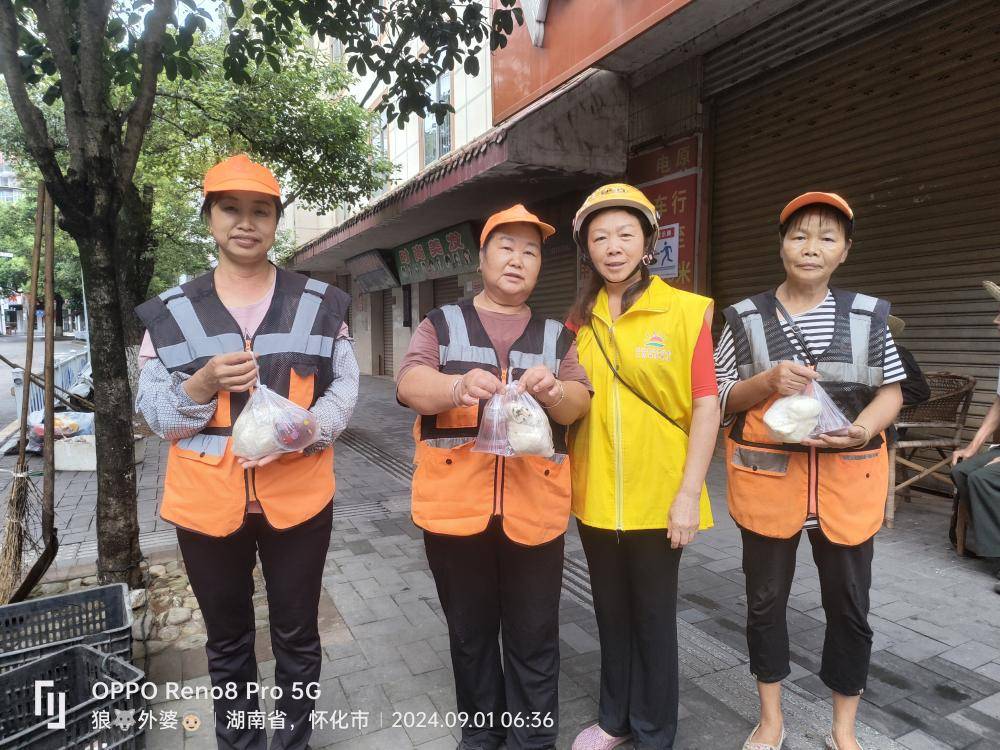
<point x="278" y="343"/>
<point x="178" y="355"/>
<point x="459" y="349"/>
<point x="315" y="285"/>
<point x="206" y="445"/>
<point x="171" y="293"/>
<point x="745" y="306"/>
<point x="305" y="315"/>
<point x="864" y="302"/>
<point x="861" y="331"/>
<point x="847" y="372"/>
<point x="187" y="319"/>
<point x="522" y="361"/>
<point x="553" y="329"/>
<point x="458" y="332"/>
<point x="760" y="357"/>
<point x="479" y="354"/>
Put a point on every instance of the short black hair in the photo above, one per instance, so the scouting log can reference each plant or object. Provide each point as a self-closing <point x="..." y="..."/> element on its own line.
<point x="212" y="198"/>
<point x="827" y="215"/>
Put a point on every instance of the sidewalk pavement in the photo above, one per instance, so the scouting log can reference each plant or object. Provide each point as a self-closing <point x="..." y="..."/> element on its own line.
<point x="935" y="673"/>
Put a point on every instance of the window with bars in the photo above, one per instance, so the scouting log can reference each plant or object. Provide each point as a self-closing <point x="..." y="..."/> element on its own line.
<point x="437" y="136"/>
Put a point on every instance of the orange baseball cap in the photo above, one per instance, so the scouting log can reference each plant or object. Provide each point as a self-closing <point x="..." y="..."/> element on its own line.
<point x="806" y="199"/>
<point x="240" y="173"/>
<point x="514" y="215"/>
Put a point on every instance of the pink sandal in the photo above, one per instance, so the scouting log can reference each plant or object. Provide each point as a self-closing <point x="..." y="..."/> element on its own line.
<point x="595" y="738"/>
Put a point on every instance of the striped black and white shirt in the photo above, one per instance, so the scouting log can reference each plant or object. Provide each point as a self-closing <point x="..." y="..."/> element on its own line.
<point x="817" y="327"/>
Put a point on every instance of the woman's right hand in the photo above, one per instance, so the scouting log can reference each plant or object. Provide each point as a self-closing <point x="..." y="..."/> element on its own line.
<point x="234" y="372"/>
<point x="790" y="378"/>
<point x="477" y="385"/>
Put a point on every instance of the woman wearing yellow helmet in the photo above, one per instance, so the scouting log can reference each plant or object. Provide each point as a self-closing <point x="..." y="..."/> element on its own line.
<point x="639" y="459"/>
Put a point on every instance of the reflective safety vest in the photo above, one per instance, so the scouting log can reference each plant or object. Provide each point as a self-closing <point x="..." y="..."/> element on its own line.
<point x="456" y="491"/>
<point x="772" y="485"/>
<point x="205" y="488"/>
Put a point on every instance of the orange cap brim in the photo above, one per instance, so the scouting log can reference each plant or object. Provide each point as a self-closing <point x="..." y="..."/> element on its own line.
<point x="547" y="230"/>
<point x="807" y="199"/>
<point x="241" y="183"/>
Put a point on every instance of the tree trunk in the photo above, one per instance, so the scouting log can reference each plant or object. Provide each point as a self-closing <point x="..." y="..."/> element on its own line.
<point x="117" y="521"/>
<point x="134" y="257"/>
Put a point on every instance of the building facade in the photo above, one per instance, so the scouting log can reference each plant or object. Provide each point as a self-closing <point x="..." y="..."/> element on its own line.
<point x="721" y="112"/>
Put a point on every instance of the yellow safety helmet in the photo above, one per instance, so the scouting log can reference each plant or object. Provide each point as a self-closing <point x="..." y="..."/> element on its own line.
<point x="611" y="196"/>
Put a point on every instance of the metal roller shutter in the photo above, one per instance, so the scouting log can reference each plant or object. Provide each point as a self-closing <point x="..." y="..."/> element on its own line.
<point x="556" y="288"/>
<point x="446" y="291"/>
<point x="906" y="126"/>
<point x="388" y="367"/>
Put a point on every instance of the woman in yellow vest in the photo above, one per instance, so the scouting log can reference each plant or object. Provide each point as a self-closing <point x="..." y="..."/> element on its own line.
<point x="207" y="343"/>
<point x="639" y="460"/>
<point x="773" y="345"/>
<point x="494" y="526"/>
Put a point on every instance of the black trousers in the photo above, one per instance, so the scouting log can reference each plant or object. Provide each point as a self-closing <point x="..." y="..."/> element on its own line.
<point x="633" y="577"/>
<point x="490" y="586"/>
<point x="221" y="573"/>
<point x="845" y="576"/>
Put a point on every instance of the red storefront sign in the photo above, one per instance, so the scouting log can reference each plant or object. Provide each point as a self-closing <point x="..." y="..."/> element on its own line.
<point x="670" y="176"/>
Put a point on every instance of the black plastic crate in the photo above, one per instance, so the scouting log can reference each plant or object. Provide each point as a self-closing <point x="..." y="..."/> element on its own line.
<point x="100" y="617"/>
<point x="74" y="671"/>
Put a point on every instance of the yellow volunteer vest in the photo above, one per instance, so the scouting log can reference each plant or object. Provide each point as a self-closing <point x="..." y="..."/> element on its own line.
<point x="627" y="461"/>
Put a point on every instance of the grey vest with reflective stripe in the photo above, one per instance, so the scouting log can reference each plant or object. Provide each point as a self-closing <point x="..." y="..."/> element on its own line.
<point x="189" y="325"/>
<point x="851" y="368"/>
<point x="464" y="345"/>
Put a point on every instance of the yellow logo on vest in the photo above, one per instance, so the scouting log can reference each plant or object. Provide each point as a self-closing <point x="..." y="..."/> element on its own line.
<point x="654" y="348"/>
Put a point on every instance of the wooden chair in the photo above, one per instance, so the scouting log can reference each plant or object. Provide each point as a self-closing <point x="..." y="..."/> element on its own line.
<point x="940" y="421"/>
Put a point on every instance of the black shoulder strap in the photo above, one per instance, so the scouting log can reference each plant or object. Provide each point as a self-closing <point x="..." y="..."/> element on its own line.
<point x="635" y="393"/>
<point x="796" y="331"/>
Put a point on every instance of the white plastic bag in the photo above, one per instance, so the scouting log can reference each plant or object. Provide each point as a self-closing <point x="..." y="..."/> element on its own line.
<point x="272" y="424"/>
<point x="809" y="414"/>
<point x="514" y="424"/>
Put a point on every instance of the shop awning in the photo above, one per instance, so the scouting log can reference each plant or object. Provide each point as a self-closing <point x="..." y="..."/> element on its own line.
<point x="558" y="144"/>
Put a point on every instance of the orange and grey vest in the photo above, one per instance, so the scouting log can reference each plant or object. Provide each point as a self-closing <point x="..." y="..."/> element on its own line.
<point x="772" y="485"/>
<point x="458" y="492"/>
<point x="205" y="488"/>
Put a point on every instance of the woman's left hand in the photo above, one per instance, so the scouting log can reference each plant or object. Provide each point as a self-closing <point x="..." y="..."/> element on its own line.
<point x="684" y="519"/>
<point x="541" y="384"/>
<point x="853" y="437"/>
<point x="246" y="463"/>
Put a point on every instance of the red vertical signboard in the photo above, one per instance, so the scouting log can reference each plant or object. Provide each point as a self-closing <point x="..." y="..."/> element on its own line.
<point x="670" y="176"/>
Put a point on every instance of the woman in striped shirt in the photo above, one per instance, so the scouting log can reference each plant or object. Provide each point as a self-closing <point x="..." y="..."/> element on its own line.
<point x="777" y="344"/>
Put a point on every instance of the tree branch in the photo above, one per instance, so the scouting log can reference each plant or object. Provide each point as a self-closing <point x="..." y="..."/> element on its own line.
<point x="186" y="133"/>
<point x="142" y="109"/>
<point x="397" y="48"/>
<point x="205" y="111"/>
<point x="56" y="25"/>
<point x="93" y="22"/>
<point x="36" y="132"/>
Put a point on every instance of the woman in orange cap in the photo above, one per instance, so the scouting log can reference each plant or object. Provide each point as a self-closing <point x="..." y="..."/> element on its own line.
<point x="777" y="344"/>
<point x="639" y="460"/>
<point x="493" y="526"/>
<point x="207" y="343"/>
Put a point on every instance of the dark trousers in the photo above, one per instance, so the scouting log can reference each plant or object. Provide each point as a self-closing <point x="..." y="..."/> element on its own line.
<point x="221" y="573"/>
<point x="490" y="586"/>
<point x="978" y="484"/>
<point x="633" y="577"/>
<point x="845" y="576"/>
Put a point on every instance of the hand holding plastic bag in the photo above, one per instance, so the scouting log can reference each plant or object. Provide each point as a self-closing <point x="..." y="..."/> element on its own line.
<point x="809" y="414"/>
<point x="271" y="424"/>
<point x="514" y="425"/>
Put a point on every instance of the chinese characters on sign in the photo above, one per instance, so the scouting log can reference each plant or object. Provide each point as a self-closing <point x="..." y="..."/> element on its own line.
<point x="449" y="252"/>
<point x="670" y="177"/>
